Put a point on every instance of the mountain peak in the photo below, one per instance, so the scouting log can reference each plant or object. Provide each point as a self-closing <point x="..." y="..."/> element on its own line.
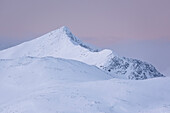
<point x="66" y="31"/>
<point x="64" y="28"/>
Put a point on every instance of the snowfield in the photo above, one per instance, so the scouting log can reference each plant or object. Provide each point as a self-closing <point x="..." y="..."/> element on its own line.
<point x="52" y="85"/>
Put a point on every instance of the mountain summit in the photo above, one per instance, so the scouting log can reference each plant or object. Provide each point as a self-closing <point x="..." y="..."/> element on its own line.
<point x="61" y="43"/>
<point x="65" y="30"/>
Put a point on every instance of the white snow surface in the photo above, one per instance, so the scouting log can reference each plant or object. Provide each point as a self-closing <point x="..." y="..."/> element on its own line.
<point x="52" y="85"/>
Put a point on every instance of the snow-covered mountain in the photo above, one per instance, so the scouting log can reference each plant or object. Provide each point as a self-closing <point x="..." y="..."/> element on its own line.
<point x="57" y="73"/>
<point x="61" y="43"/>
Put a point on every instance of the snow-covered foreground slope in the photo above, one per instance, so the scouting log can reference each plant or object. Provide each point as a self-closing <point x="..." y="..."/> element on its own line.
<point x="22" y="76"/>
<point x="53" y="93"/>
<point x="30" y="70"/>
<point x="61" y="43"/>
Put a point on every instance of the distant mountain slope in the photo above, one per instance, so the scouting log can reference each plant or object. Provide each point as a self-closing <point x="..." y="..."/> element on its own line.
<point x="61" y="43"/>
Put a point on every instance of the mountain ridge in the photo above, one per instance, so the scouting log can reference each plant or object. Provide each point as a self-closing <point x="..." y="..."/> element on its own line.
<point x="61" y="43"/>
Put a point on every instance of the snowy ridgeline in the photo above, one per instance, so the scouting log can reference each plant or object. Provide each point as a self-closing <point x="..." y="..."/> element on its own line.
<point x="53" y="85"/>
<point x="61" y="43"/>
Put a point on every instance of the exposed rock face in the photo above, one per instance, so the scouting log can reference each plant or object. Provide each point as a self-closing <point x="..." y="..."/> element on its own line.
<point x="131" y="69"/>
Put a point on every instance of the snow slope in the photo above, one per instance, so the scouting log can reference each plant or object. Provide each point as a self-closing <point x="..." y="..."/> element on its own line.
<point x="29" y="70"/>
<point x="61" y="43"/>
<point x="52" y="85"/>
<point x="19" y="77"/>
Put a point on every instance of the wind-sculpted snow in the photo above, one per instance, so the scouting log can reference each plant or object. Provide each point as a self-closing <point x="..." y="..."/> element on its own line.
<point x="61" y="43"/>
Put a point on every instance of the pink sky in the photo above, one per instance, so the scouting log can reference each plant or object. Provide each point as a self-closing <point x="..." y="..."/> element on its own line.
<point x="114" y="19"/>
<point x="100" y="22"/>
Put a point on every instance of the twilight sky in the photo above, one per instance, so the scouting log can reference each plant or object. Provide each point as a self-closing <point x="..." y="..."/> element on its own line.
<point x="133" y="28"/>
